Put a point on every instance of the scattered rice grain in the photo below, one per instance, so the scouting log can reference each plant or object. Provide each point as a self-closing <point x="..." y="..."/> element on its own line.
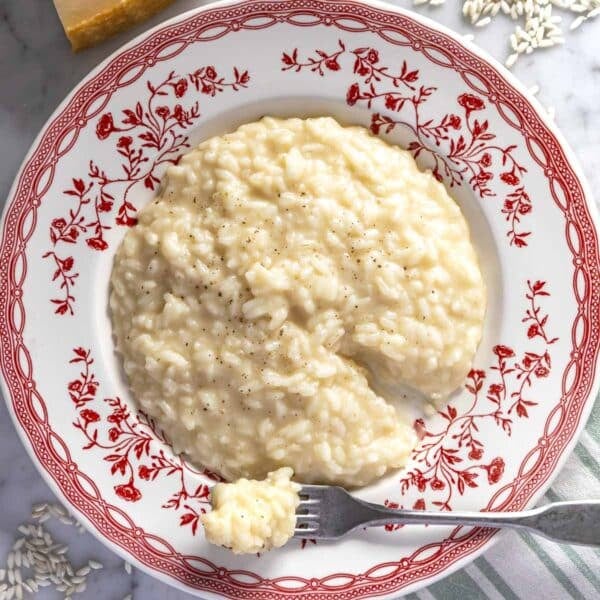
<point x="46" y="561"/>
<point x="539" y="26"/>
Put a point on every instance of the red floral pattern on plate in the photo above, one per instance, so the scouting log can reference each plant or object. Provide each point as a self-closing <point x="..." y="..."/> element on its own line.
<point x="450" y="458"/>
<point x="134" y="448"/>
<point x="462" y="147"/>
<point x="446" y="458"/>
<point x="147" y="137"/>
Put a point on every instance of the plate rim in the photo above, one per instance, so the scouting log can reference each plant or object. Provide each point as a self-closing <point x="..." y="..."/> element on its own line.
<point x="488" y="539"/>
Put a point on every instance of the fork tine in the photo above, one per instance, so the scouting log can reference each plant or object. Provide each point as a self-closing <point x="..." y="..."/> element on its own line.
<point x="325" y="512"/>
<point x="311" y="494"/>
<point x="304" y="527"/>
<point x="305" y="533"/>
<point x="300" y="519"/>
<point x="309" y="501"/>
<point x="307" y="512"/>
<point x="312" y="491"/>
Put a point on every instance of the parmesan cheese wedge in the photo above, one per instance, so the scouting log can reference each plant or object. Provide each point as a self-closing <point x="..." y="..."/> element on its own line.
<point x="87" y="22"/>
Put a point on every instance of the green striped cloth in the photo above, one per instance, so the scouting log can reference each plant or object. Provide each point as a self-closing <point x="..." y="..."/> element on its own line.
<point x="525" y="567"/>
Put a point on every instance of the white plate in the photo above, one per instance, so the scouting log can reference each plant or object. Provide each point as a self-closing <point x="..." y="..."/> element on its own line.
<point x="99" y="159"/>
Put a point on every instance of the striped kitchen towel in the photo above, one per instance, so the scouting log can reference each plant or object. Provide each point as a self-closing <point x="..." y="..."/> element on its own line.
<point x="525" y="567"/>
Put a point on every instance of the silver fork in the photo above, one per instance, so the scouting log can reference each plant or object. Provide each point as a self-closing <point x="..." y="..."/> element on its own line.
<point x="329" y="512"/>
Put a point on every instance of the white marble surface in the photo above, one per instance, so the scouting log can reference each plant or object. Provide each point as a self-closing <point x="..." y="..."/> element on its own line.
<point x="37" y="69"/>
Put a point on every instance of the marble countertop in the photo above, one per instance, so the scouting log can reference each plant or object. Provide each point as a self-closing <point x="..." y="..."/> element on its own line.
<point x="37" y="69"/>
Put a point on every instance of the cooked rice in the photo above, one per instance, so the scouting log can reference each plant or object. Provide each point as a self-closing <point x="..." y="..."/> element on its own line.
<point x="281" y="267"/>
<point x="251" y="516"/>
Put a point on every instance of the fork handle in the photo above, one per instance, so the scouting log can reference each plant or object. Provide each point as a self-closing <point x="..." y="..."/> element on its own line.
<point x="575" y="522"/>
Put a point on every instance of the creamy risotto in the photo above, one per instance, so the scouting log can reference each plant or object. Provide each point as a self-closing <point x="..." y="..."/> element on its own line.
<point x="253" y="516"/>
<point x="283" y="268"/>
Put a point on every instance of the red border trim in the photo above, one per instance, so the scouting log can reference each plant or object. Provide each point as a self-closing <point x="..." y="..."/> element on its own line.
<point x="18" y="374"/>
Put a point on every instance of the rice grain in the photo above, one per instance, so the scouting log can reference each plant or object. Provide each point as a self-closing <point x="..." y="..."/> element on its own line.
<point x="36" y="560"/>
<point x="539" y="26"/>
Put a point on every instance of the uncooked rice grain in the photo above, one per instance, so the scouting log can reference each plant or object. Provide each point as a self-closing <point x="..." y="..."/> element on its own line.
<point x="541" y="26"/>
<point x="36" y="561"/>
